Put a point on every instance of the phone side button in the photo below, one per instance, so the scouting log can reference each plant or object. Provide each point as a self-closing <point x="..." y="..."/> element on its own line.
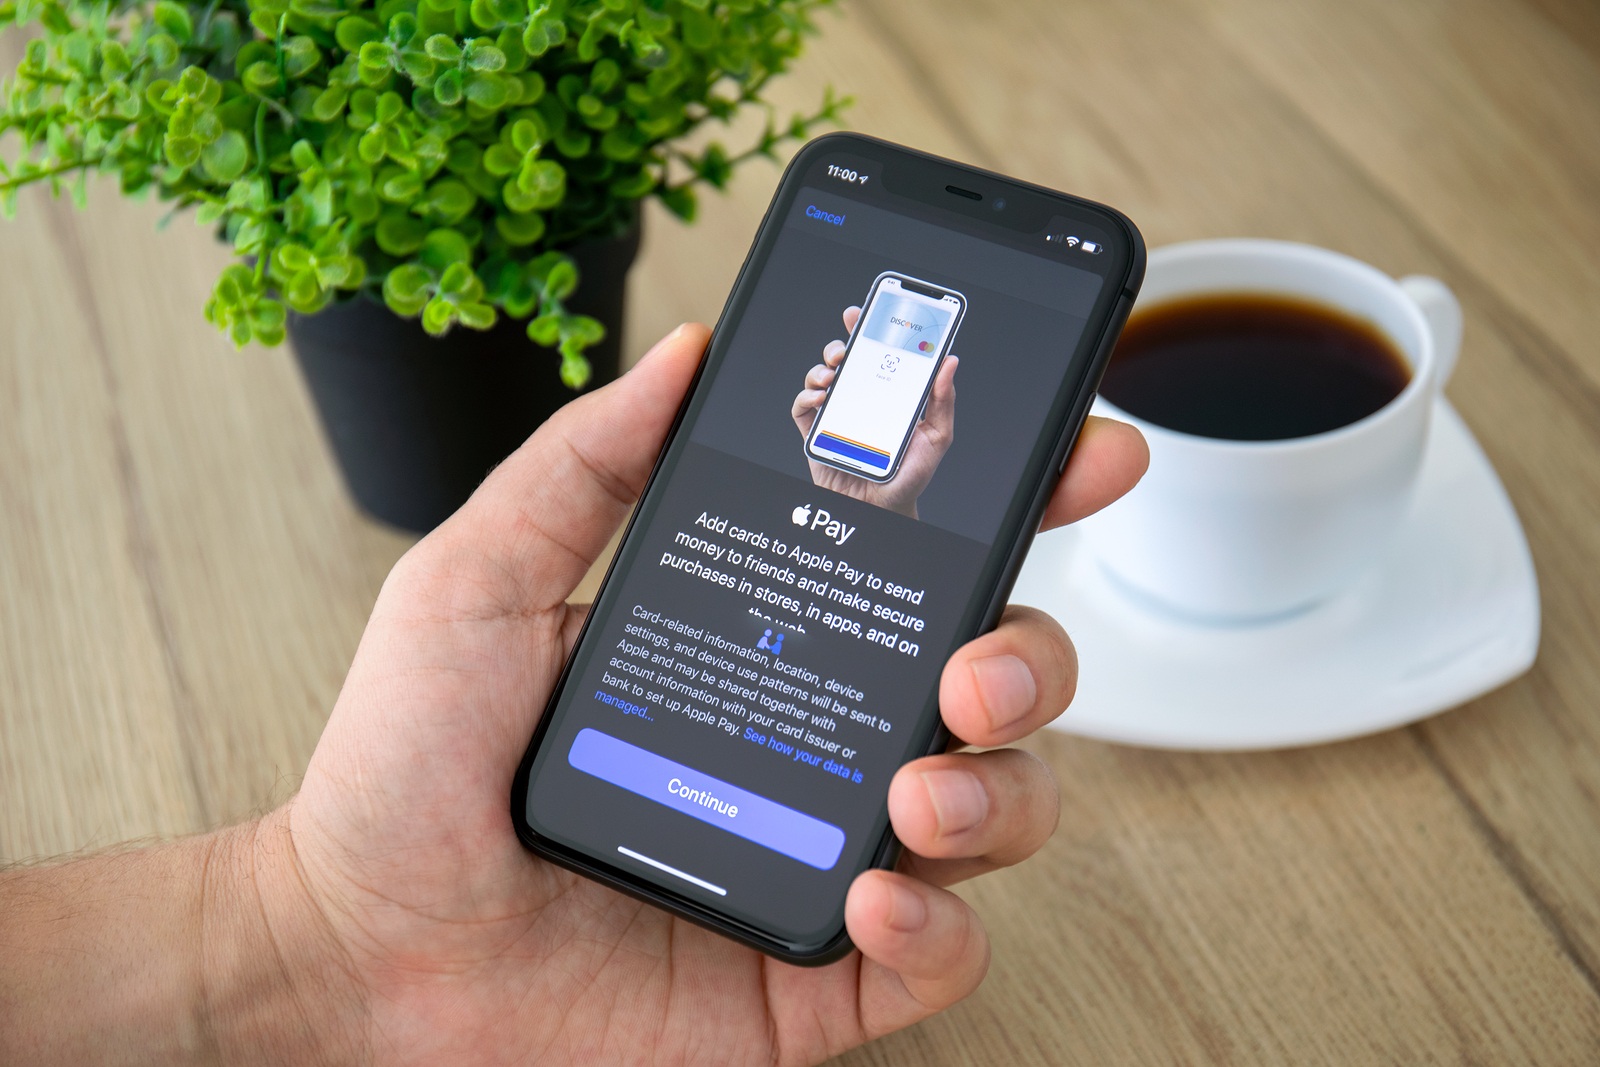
<point x="711" y="800"/>
<point x="1102" y="358"/>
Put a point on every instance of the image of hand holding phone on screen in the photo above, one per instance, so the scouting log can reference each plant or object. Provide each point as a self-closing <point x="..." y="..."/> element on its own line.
<point x="878" y="431"/>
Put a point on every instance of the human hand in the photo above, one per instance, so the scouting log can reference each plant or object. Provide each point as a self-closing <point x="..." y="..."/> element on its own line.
<point x="930" y="440"/>
<point x="457" y="945"/>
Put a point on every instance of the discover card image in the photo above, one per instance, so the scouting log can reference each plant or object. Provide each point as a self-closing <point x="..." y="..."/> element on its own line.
<point x="876" y="398"/>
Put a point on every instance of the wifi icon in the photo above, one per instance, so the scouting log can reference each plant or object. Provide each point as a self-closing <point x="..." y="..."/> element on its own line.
<point x="1072" y="242"/>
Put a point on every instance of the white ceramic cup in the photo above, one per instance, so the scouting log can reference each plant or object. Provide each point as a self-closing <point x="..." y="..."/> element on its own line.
<point x="1233" y="531"/>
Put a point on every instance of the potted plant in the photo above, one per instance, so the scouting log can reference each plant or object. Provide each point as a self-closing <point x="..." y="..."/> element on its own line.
<point x="388" y="171"/>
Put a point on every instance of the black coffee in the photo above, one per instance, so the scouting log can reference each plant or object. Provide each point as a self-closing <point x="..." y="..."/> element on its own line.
<point x="1252" y="367"/>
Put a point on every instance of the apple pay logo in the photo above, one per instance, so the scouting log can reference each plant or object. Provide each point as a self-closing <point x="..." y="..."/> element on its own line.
<point x="831" y="528"/>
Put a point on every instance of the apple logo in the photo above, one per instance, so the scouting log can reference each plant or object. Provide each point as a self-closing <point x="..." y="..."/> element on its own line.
<point x="801" y="515"/>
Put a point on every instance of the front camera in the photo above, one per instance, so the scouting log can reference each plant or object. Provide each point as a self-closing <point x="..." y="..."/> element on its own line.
<point x="1000" y="203"/>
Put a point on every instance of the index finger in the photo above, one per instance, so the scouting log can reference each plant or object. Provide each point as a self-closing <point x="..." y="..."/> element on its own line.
<point x="1108" y="460"/>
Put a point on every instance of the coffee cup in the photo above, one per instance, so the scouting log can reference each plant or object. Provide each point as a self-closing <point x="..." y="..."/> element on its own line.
<point x="1241" y="530"/>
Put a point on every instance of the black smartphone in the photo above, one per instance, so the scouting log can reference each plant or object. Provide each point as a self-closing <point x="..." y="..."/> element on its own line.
<point x="765" y="650"/>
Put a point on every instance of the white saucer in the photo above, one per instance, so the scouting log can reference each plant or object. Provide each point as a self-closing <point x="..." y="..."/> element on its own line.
<point x="1451" y="612"/>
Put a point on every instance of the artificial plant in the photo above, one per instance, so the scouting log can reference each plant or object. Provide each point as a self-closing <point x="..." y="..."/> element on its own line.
<point x="441" y="153"/>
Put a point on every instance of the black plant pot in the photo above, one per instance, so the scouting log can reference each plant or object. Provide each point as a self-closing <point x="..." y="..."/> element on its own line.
<point x="417" y="421"/>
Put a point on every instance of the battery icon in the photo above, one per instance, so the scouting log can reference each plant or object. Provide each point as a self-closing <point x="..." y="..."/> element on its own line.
<point x="1091" y="247"/>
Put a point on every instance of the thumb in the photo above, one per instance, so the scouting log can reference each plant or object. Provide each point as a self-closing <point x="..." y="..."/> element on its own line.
<point x="544" y="515"/>
<point x="941" y="411"/>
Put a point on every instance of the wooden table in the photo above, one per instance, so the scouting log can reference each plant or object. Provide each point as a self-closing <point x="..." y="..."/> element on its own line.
<point x="182" y="580"/>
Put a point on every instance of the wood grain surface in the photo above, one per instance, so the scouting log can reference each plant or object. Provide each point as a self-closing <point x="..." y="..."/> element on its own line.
<point x="183" y="580"/>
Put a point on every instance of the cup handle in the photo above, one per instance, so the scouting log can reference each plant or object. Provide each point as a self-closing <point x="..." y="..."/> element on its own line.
<point x="1443" y="312"/>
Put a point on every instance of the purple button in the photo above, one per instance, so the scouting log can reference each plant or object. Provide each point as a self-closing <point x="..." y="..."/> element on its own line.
<point x="711" y="800"/>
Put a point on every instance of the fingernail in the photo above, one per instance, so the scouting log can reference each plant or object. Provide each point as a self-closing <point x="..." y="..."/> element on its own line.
<point x="668" y="339"/>
<point x="959" y="800"/>
<point x="1006" y="687"/>
<point x="908" y="913"/>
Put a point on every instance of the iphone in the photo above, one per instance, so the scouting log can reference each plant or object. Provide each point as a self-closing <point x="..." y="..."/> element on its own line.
<point x="764" y="652"/>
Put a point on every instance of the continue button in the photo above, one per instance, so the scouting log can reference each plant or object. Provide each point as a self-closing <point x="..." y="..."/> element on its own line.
<point x="711" y="800"/>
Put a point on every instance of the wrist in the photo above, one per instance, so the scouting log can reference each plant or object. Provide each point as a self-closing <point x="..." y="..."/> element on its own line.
<point x="276" y="985"/>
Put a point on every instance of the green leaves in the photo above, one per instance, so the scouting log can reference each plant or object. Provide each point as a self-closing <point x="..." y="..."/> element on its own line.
<point x="195" y="125"/>
<point x="241" y="308"/>
<point x="488" y="91"/>
<point x="441" y="286"/>
<point x="225" y="158"/>
<point x="519" y="231"/>
<point x="298" y="56"/>
<point x="353" y="31"/>
<point x="493" y="14"/>
<point x="163" y="51"/>
<point x="446" y="201"/>
<point x="114" y="59"/>
<point x="308" y="277"/>
<point x="442" y="48"/>
<point x="174" y="21"/>
<point x="482" y="57"/>
<point x="399" y="234"/>
<point x="539" y="184"/>
<point x="459" y="298"/>
<point x="440" y="152"/>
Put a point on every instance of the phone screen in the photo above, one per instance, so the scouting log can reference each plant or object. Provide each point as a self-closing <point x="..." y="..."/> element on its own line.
<point x="766" y="650"/>
<point x="903" y="334"/>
